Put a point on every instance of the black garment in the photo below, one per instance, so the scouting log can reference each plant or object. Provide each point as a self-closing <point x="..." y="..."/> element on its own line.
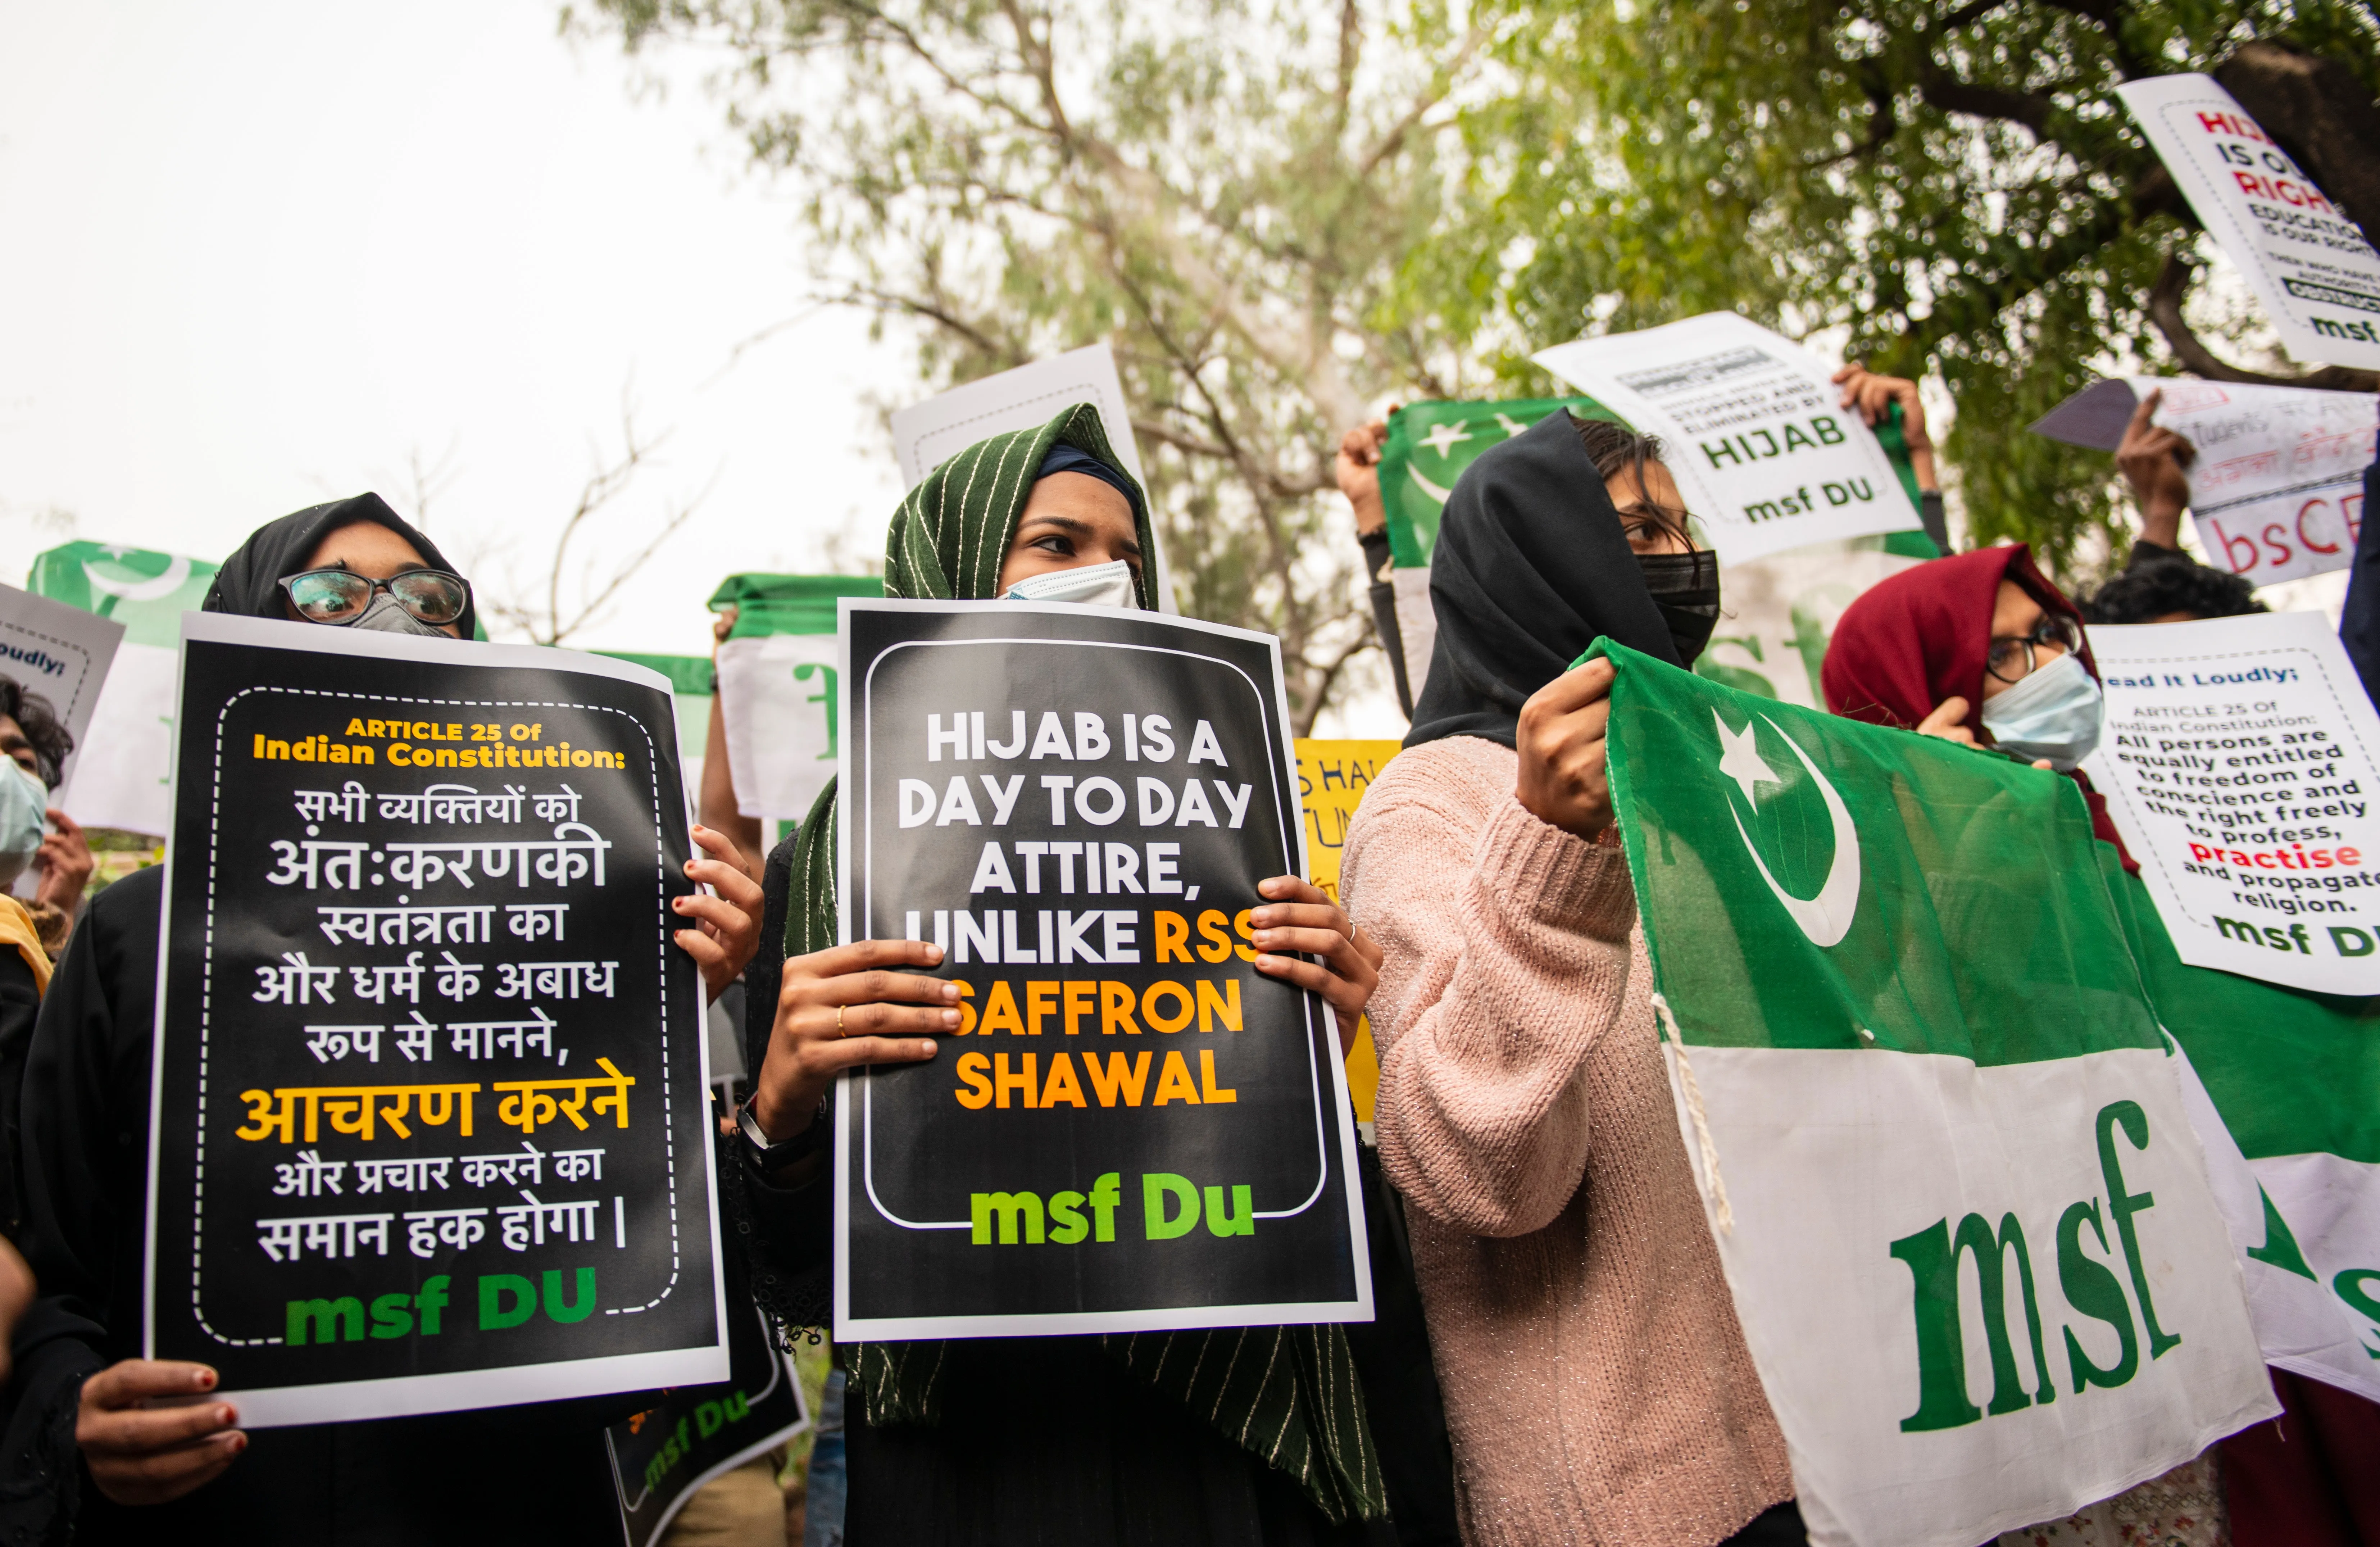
<point x="1044" y="1439"/>
<point x="2359" y="622"/>
<point x="20" y="1001"/>
<point x="504" y="1475"/>
<point x="1778" y="1526"/>
<point x="248" y="583"/>
<point x="1934" y="518"/>
<point x="1531" y="567"/>
<point x="1379" y="561"/>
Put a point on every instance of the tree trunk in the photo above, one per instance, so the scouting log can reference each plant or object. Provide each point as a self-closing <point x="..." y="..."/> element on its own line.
<point x="2319" y="112"/>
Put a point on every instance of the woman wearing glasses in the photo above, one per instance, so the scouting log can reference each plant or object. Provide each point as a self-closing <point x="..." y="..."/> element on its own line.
<point x="1596" y="1384"/>
<point x="117" y="1448"/>
<point x="1979" y="648"/>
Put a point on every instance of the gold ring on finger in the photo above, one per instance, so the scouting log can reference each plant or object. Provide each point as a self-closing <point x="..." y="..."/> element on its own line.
<point x="838" y="1022"/>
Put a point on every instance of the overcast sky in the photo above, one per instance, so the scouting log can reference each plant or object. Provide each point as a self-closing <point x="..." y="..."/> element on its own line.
<point x="254" y="257"/>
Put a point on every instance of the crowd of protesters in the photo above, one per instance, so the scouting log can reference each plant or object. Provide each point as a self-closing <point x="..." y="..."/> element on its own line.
<point x="1557" y="1356"/>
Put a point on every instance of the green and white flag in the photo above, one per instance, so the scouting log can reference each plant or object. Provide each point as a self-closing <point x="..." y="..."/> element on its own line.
<point x="1945" y="1150"/>
<point x="124" y="775"/>
<point x="777" y="688"/>
<point x="1781" y="610"/>
<point x="2295" y="1152"/>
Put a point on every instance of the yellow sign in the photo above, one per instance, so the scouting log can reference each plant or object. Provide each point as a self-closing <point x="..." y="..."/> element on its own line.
<point x="1331" y="779"/>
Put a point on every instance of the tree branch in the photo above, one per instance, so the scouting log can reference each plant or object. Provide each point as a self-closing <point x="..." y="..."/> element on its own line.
<point x="1441" y="84"/>
<point x="2165" y="309"/>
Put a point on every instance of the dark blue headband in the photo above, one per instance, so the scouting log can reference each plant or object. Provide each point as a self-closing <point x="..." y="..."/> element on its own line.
<point x="1074" y="459"/>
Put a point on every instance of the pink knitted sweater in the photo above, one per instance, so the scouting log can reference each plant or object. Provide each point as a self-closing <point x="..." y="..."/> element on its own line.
<point x="1597" y="1381"/>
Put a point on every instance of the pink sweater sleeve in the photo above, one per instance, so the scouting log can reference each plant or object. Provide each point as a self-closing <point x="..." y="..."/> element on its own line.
<point x="1507" y="958"/>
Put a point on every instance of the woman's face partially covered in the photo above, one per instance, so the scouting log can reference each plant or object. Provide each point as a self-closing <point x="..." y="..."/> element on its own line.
<point x="1652" y="512"/>
<point x="1071" y="521"/>
<point x="369" y="548"/>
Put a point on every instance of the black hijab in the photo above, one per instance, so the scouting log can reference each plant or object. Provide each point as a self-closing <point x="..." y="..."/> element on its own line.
<point x="248" y="583"/>
<point x="1531" y="567"/>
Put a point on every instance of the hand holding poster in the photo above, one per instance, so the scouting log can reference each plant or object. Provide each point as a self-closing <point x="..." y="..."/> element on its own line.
<point x="1765" y="458"/>
<point x="2311" y="265"/>
<point x="428" y="1127"/>
<point x="1132" y="1129"/>
<point x="2238" y="763"/>
<point x="2277" y="488"/>
<point x="1910" y="1053"/>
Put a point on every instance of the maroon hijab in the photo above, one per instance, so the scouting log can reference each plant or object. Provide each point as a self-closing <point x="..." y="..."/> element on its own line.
<point x="1911" y="642"/>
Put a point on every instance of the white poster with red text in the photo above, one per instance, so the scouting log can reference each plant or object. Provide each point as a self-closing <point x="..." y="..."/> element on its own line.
<point x="2276" y="484"/>
<point x="2237" y="761"/>
<point x="2308" y="262"/>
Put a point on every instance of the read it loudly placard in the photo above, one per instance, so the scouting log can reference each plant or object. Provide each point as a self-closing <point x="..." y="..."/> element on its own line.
<point x="2237" y="761"/>
<point x="429" y="1123"/>
<point x="1134" y="1130"/>
<point x="1753" y="434"/>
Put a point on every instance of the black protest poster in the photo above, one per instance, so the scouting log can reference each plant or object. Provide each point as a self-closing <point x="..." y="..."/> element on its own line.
<point x="694" y="1433"/>
<point x="1134" y="1130"/>
<point x="428" y="1127"/>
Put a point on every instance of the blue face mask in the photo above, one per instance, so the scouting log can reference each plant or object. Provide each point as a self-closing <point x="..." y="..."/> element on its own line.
<point x="2052" y="712"/>
<point x="1095" y="585"/>
<point x="23" y="800"/>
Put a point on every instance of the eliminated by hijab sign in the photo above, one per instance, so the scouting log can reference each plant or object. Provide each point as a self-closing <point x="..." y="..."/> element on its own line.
<point x="1765" y="458"/>
<point x="428" y="1113"/>
<point x="1134" y="1130"/>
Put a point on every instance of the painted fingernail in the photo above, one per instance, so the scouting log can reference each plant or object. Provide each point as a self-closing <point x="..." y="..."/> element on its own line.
<point x="225" y="1416"/>
<point x="203" y="1379"/>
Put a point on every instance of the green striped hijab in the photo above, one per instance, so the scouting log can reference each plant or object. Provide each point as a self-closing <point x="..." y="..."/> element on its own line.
<point x="1287" y="1394"/>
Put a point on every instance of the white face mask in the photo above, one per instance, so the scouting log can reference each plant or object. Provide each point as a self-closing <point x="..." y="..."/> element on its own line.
<point x="2052" y="712"/>
<point x="1098" y="585"/>
<point x="23" y="799"/>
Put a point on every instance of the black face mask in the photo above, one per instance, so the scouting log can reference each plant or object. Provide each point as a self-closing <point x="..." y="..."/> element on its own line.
<point x="1685" y="589"/>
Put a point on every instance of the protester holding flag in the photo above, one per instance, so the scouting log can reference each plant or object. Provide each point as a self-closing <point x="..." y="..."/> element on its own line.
<point x="1981" y="634"/>
<point x="115" y="1446"/>
<point x="1877" y="397"/>
<point x="1596" y="1380"/>
<point x="1243" y="1435"/>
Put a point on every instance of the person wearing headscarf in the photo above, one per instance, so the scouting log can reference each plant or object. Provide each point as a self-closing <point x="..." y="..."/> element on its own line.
<point x="1597" y="1381"/>
<point x="1235" y="1436"/>
<point x="1980" y="636"/>
<point x="106" y="1446"/>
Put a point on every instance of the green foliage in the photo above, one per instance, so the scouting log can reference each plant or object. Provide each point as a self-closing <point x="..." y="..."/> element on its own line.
<point x="1953" y="185"/>
<point x="1222" y="191"/>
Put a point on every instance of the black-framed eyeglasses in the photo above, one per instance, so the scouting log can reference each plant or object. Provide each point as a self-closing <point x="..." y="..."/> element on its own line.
<point x="339" y="597"/>
<point x="2010" y="658"/>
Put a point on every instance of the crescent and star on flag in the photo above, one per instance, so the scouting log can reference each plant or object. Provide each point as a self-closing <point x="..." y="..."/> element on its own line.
<point x="1826" y="918"/>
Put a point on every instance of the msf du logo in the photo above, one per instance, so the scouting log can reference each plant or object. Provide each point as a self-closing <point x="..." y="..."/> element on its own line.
<point x="1826" y="918"/>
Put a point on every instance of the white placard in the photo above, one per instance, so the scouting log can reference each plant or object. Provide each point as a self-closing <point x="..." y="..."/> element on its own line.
<point x="1764" y="457"/>
<point x="2312" y="267"/>
<point x="2237" y="761"/>
<point x="2277" y="489"/>
<point x="63" y="653"/>
<point x="927" y="434"/>
<point x="779" y="694"/>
